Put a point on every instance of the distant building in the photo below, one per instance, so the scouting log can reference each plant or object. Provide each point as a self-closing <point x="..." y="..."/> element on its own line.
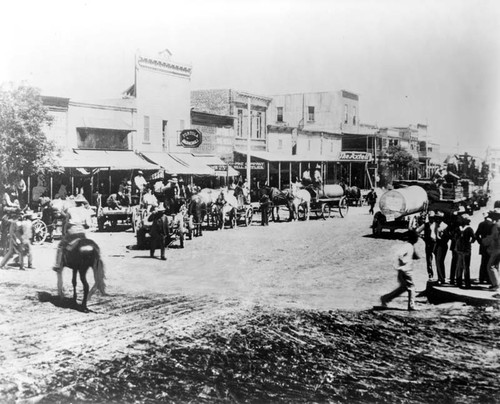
<point x="493" y="160"/>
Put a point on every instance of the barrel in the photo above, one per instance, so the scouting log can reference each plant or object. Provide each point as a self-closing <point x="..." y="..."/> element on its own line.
<point x="403" y="201"/>
<point x="332" y="191"/>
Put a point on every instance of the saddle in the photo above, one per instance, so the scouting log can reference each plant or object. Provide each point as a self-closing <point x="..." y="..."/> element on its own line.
<point x="73" y="243"/>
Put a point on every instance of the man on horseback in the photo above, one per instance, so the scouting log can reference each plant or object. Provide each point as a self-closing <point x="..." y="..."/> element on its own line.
<point x="78" y="219"/>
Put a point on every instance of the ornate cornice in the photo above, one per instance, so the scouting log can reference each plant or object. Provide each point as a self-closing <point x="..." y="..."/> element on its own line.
<point x="164" y="66"/>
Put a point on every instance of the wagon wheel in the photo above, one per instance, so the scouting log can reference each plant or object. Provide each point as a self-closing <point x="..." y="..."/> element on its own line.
<point x="40" y="231"/>
<point x="343" y="206"/>
<point x="232" y="218"/>
<point x="326" y="211"/>
<point x="137" y="220"/>
<point x="377" y="225"/>
<point x="248" y="216"/>
<point x="301" y="212"/>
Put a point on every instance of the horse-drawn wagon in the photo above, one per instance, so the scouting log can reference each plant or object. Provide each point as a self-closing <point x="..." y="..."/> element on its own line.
<point x="400" y="209"/>
<point x="126" y="215"/>
<point x="327" y="200"/>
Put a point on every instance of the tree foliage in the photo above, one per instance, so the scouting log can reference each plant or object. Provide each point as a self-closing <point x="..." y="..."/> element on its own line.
<point x="24" y="146"/>
<point x="399" y="158"/>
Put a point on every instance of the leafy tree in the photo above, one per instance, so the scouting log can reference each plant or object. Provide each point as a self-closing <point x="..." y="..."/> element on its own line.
<point x="24" y="148"/>
<point x="401" y="161"/>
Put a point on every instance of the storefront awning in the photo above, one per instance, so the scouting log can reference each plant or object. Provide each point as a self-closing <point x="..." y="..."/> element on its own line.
<point x="218" y="165"/>
<point x="193" y="165"/>
<point x="168" y="164"/>
<point x="112" y="159"/>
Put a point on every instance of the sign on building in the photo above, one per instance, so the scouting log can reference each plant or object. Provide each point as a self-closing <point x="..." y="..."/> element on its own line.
<point x="190" y="138"/>
<point x="254" y="165"/>
<point x="355" y="156"/>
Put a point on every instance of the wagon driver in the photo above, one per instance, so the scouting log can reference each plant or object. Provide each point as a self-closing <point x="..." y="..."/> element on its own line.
<point x="140" y="182"/>
<point x="78" y="219"/>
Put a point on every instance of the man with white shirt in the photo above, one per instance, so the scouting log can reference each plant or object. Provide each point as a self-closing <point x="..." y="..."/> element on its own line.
<point x="403" y="264"/>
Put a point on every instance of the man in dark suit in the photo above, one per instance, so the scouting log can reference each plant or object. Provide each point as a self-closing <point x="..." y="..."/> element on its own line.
<point x="484" y="230"/>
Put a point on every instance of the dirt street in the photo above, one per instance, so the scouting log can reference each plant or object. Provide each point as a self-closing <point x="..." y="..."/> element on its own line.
<point x="214" y="283"/>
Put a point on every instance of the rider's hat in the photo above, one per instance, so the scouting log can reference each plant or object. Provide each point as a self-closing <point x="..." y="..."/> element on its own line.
<point x="140" y="172"/>
<point x="80" y="199"/>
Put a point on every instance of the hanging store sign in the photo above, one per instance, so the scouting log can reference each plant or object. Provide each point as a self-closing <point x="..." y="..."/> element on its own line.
<point x="254" y="165"/>
<point x="355" y="156"/>
<point x="218" y="167"/>
<point x="190" y="138"/>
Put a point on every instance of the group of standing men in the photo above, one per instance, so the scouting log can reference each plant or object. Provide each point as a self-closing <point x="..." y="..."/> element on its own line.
<point x="455" y="234"/>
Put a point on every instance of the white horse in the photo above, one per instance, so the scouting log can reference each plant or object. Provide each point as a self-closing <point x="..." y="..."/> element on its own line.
<point x="301" y="197"/>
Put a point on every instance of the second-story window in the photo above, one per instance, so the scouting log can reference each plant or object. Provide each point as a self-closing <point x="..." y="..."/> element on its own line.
<point x="280" y="144"/>
<point x="354" y="115"/>
<point x="239" y="130"/>
<point x="346" y="113"/>
<point x="309" y="145"/>
<point x="279" y="114"/>
<point x="310" y="114"/>
<point x="258" y="125"/>
<point x="146" y="129"/>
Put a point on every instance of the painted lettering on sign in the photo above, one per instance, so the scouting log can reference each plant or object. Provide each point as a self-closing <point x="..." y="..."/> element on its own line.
<point x="254" y="165"/>
<point x="190" y="138"/>
<point x="355" y="156"/>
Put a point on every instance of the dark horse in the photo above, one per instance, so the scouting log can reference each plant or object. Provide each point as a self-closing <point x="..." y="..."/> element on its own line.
<point x="80" y="257"/>
<point x="198" y="210"/>
<point x="353" y="194"/>
<point x="278" y="198"/>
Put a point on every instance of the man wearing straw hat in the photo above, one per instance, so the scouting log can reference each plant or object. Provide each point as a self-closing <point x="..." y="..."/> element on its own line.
<point x="78" y="219"/>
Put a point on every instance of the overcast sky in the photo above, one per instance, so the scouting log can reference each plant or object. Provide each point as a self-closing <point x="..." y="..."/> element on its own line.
<point x="431" y="62"/>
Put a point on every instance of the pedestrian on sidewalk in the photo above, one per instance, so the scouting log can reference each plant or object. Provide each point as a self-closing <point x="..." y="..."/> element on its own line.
<point x="442" y="237"/>
<point x="403" y="264"/>
<point x="483" y="231"/>
<point x="463" y="248"/>
<point x="492" y="243"/>
<point x="430" y="241"/>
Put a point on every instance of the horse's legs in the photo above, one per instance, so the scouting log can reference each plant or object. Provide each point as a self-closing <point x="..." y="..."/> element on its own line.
<point x="83" y="278"/>
<point x="60" y="283"/>
<point x="73" y="281"/>
<point x="308" y="210"/>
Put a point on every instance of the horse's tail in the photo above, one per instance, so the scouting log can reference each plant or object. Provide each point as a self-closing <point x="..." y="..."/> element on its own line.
<point x="99" y="275"/>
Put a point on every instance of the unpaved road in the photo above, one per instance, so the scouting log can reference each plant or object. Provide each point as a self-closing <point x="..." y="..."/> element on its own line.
<point x="217" y="280"/>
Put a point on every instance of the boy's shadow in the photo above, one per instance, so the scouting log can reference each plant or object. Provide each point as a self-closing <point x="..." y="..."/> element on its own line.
<point x="63" y="303"/>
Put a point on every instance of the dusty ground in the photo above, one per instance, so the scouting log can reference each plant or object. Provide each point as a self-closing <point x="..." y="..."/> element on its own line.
<point x="258" y="314"/>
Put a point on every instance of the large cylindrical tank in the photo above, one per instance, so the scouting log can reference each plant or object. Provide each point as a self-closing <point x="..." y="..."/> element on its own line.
<point x="403" y="201"/>
<point x="332" y="191"/>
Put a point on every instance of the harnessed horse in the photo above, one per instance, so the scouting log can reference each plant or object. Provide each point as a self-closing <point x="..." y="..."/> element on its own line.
<point x="197" y="209"/>
<point x="278" y="198"/>
<point x="80" y="257"/>
<point x="301" y="197"/>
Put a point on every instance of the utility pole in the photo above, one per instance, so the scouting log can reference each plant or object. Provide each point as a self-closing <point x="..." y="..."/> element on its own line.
<point x="375" y="160"/>
<point x="249" y="135"/>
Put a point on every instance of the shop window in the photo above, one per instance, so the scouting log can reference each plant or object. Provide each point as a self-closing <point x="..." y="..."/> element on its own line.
<point x="146" y="129"/>
<point x="164" y="135"/>
<point x="240" y="123"/>
<point x="258" y="125"/>
<point x="279" y="114"/>
<point x="310" y="115"/>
